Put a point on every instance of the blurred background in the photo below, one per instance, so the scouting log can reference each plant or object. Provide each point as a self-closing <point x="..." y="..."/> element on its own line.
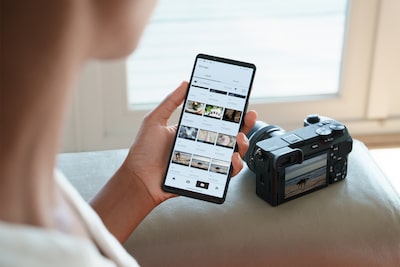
<point x="337" y="58"/>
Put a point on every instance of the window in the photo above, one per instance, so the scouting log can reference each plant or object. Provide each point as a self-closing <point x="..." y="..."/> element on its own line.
<point x="296" y="45"/>
<point x="353" y="77"/>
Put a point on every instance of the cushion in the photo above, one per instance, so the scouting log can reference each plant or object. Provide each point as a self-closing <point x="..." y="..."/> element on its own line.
<point x="352" y="222"/>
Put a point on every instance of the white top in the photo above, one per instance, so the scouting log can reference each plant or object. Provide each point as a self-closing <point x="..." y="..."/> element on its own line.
<point x="22" y="245"/>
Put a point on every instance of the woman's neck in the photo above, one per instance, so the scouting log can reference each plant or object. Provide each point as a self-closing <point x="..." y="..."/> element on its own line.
<point x="29" y="145"/>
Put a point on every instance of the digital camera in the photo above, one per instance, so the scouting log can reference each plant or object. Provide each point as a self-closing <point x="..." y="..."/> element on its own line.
<point x="291" y="164"/>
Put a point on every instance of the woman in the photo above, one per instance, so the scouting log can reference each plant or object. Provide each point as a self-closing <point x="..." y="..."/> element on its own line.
<point x="43" y="221"/>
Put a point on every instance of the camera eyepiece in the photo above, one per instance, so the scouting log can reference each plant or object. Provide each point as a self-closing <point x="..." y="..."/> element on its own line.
<point x="259" y="132"/>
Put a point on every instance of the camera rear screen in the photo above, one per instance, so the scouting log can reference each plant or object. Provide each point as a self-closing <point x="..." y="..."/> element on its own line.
<point x="200" y="162"/>
<point x="306" y="176"/>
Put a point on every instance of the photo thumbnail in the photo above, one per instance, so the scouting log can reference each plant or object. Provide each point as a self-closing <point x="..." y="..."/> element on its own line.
<point x="200" y="162"/>
<point x="219" y="166"/>
<point x="305" y="183"/>
<point x="206" y="136"/>
<point x="195" y="107"/>
<point x="187" y="132"/>
<point x="181" y="158"/>
<point x="232" y="115"/>
<point x="226" y="140"/>
<point x="213" y="111"/>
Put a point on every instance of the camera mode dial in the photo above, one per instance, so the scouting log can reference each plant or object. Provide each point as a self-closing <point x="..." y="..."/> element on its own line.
<point x="312" y="119"/>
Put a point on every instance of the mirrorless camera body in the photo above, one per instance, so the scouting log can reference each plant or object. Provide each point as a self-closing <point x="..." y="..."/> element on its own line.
<point x="290" y="165"/>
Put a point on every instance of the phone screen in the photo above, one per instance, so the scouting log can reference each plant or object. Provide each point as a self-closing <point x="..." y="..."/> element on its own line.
<point x="212" y="115"/>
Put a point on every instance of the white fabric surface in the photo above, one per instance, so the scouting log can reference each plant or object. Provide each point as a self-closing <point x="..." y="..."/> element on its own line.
<point x="355" y="222"/>
<point x="27" y="246"/>
<point x="352" y="223"/>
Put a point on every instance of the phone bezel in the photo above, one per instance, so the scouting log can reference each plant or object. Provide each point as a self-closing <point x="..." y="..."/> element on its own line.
<point x="192" y="194"/>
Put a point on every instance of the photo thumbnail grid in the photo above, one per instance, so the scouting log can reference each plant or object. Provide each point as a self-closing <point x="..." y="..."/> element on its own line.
<point x="213" y="111"/>
<point x="200" y="162"/>
<point x="207" y="136"/>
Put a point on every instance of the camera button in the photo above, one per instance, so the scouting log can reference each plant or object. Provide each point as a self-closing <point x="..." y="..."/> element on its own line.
<point x="291" y="139"/>
<point x="314" y="146"/>
<point x="323" y="131"/>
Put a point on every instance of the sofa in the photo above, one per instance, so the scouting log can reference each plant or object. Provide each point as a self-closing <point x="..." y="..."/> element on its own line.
<point x="355" y="222"/>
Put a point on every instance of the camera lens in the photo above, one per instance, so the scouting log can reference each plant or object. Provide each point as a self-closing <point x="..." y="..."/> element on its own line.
<point x="259" y="132"/>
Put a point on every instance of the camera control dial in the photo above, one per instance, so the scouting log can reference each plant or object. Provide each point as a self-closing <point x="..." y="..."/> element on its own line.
<point x="337" y="127"/>
<point x="330" y="128"/>
<point x="323" y="131"/>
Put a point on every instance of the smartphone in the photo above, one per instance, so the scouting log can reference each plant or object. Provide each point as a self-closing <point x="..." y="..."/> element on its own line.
<point x="212" y="115"/>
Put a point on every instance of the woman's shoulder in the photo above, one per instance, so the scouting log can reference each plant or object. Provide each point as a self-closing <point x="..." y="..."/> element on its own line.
<point x="23" y="245"/>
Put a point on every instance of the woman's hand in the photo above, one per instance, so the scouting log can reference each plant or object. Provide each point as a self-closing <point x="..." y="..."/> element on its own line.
<point x="135" y="189"/>
<point x="148" y="157"/>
